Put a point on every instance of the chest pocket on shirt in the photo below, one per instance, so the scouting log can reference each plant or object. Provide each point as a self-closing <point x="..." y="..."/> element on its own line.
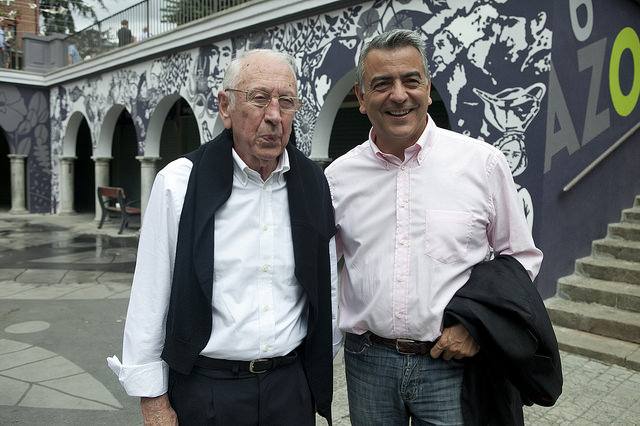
<point x="447" y="235"/>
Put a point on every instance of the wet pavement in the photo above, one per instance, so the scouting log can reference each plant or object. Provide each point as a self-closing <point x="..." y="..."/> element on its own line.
<point x="64" y="287"/>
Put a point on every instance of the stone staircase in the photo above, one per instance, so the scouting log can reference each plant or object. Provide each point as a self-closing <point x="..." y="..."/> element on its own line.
<point x="596" y="312"/>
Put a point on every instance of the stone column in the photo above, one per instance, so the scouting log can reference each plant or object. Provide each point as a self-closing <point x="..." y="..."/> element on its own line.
<point x="102" y="179"/>
<point x="17" y="184"/>
<point x="66" y="185"/>
<point x="147" y="175"/>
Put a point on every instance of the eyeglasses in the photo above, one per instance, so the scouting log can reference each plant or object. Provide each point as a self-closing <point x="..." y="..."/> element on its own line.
<point x="262" y="99"/>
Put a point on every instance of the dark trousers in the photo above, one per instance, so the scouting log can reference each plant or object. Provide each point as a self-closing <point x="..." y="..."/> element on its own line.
<point x="224" y="397"/>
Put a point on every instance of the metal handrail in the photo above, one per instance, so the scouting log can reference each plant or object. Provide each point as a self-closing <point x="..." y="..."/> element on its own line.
<point x="598" y="160"/>
<point x="151" y="15"/>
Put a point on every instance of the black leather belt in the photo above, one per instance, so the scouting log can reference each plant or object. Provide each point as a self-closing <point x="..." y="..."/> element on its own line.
<point x="256" y="366"/>
<point x="403" y="346"/>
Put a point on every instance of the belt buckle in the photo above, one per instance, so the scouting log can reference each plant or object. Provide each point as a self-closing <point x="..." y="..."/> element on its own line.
<point x="400" y="342"/>
<point x="252" y="365"/>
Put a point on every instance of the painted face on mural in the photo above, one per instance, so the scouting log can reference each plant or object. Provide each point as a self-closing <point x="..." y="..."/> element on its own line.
<point x="514" y="151"/>
<point x="259" y="134"/>
<point x="395" y="98"/>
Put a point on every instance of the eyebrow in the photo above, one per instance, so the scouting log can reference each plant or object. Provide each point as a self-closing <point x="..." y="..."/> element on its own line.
<point x="388" y="77"/>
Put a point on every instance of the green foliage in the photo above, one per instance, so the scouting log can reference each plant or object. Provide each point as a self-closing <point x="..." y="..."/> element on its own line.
<point x="58" y="18"/>
<point x="182" y="11"/>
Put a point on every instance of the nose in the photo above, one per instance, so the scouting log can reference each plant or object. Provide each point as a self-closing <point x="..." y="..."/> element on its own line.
<point x="272" y="112"/>
<point x="398" y="92"/>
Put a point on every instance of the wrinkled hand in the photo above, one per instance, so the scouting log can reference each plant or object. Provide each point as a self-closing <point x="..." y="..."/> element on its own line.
<point x="158" y="412"/>
<point x="455" y="342"/>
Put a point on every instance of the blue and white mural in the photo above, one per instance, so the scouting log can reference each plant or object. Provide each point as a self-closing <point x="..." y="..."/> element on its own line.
<point x="24" y="117"/>
<point x="484" y="55"/>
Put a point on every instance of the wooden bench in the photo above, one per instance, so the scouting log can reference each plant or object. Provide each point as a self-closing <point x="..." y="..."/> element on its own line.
<point x="113" y="203"/>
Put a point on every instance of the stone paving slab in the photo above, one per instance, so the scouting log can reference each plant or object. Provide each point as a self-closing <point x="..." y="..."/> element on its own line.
<point x="41" y="276"/>
<point x="78" y="329"/>
<point x="10" y="274"/>
<point x="81" y="277"/>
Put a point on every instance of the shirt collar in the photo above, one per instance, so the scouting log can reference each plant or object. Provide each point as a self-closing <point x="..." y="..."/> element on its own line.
<point x="243" y="173"/>
<point x="418" y="150"/>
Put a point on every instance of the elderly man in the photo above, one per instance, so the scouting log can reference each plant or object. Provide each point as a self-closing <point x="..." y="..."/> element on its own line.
<point x="416" y="207"/>
<point x="230" y="318"/>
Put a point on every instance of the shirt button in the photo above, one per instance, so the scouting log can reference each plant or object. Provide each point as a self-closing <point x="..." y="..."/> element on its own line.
<point x="266" y="308"/>
<point x="265" y="228"/>
<point x="402" y="167"/>
<point x="265" y="268"/>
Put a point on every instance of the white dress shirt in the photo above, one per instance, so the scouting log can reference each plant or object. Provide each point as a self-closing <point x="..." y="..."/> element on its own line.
<point x="259" y="310"/>
<point x="410" y="231"/>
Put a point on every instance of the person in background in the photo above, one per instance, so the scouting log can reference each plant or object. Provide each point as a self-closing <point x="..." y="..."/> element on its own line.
<point x="73" y="56"/>
<point x="124" y="34"/>
<point x="3" y="47"/>
<point x="144" y="34"/>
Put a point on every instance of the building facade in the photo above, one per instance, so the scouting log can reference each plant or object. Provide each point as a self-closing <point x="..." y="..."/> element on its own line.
<point x="552" y="84"/>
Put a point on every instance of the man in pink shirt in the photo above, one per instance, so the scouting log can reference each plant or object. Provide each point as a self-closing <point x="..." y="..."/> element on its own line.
<point x="416" y="208"/>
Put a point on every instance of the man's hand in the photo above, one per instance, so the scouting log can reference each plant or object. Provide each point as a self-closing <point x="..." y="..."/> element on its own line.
<point x="158" y="412"/>
<point x="455" y="342"/>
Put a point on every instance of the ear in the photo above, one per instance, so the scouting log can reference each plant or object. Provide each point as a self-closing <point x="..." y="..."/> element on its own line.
<point x="429" y="100"/>
<point x="223" y="108"/>
<point x="360" y="96"/>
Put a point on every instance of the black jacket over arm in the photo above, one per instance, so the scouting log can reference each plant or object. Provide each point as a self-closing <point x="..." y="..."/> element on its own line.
<point x="188" y="326"/>
<point x="518" y="362"/>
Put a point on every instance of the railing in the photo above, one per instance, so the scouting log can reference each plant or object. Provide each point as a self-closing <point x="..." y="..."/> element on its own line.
<point x="600" y="158"/>
<point x="145" y="19"/>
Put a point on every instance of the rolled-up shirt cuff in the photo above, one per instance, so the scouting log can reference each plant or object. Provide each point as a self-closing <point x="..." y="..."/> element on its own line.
<point x="145" y="380"/>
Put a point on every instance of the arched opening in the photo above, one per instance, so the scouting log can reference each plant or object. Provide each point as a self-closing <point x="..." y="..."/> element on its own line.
<point x="124" y="169"/>
<point x="84" y="173"/>
<point x="5" y="173"/>
<point x="438" y="110"/>
<point x="180" y="133"/>
<point x="351" y="128"/>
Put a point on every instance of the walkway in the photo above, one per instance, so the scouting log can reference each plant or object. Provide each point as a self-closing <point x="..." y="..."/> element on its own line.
<point x="64" y="287"/>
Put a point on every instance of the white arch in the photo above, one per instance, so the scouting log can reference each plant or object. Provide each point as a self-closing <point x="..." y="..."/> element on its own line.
<point x="70" y="139"/>
<point x="105" y="137"/>
<point x="327" y="115"/>
<point x="156" y="123"/>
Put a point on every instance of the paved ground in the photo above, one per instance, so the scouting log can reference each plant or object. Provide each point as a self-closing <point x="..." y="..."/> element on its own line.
<point x="64" y="287"/>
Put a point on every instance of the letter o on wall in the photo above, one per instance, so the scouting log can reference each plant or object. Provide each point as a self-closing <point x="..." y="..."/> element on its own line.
<point x="581" y="32"/>
<point x="624" y="104"/>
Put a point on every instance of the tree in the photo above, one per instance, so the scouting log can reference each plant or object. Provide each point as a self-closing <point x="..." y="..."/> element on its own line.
<point x="58" y="17"/>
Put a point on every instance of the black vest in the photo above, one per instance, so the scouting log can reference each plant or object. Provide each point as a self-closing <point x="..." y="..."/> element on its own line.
<point x="188" y="325"/>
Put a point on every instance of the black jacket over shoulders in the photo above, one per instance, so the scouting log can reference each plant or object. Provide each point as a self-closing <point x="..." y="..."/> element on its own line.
<point x="188" y="325"/>
<point x="518" y="362"/>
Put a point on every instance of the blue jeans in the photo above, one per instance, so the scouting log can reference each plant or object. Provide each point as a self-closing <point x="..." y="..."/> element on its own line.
<point x="388" y="388"/>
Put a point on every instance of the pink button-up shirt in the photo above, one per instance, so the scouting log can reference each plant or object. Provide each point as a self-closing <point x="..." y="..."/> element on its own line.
<point x="410" y="231"/>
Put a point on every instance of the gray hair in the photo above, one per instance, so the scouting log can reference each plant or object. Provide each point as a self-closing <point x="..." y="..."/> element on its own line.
<point x="232" y="73"/>
<point x="391" y="40"/>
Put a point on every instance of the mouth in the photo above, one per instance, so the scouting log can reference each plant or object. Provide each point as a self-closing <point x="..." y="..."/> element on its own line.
<point x="399" y="113"/>
<point x="270" y="139"/>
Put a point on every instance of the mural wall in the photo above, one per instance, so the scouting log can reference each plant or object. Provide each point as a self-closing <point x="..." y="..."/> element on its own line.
<point x="24" y="117"/>
<point x="593" y="100"/>
<point x="490" y="63"/>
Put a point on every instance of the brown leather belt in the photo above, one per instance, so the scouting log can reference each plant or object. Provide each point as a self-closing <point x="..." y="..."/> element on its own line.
<point x="403" y="346"/>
